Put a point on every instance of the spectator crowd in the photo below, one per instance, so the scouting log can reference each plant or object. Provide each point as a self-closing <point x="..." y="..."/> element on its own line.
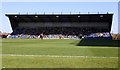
<point x="55" y="33"/>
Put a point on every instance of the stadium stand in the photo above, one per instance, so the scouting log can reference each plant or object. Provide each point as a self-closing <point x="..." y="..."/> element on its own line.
<point x="65" y="25"/>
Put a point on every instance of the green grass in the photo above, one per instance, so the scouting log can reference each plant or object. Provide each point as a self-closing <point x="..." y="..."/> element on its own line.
<point x="56" y="47"/>
<point x="48" y="62"/>
<point x="0" y="53"/>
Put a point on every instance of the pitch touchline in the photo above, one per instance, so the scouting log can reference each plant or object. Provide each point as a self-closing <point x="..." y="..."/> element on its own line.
<point x="58" y="56"/>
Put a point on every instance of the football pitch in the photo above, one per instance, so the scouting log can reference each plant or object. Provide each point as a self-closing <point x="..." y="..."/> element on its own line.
<point x="56" y="53"/>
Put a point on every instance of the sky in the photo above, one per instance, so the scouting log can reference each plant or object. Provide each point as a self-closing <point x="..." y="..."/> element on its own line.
<point x="57" y="8"/>
<point x="119" y="17"/>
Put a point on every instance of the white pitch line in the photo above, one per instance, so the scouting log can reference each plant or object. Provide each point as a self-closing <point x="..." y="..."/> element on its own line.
<point x="58" y="56"/>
